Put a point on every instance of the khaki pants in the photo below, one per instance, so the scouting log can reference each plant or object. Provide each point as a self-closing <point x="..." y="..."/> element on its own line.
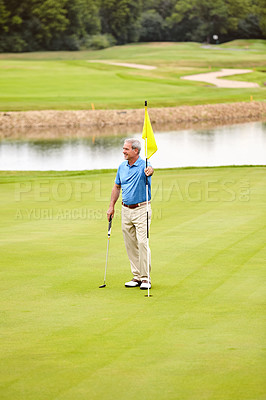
<point x="134" y="228"/>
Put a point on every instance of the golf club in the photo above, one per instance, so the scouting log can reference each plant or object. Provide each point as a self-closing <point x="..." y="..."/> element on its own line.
<point x="108" y="241"/>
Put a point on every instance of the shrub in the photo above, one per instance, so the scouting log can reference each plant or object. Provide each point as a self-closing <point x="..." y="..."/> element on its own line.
<point x="98" y="42"/>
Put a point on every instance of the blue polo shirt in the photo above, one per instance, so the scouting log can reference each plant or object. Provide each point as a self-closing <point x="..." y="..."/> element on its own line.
<point x="132" y="180"/>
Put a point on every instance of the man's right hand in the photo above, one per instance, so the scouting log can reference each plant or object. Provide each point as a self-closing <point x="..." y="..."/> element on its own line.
<point x="110" y="213"/>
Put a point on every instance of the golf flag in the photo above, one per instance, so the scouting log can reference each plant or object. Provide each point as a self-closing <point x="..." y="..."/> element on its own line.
<point x="147" y="134"/>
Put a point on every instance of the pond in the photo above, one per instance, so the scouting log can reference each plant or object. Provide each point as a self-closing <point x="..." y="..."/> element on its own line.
<point x="239" y="144"/>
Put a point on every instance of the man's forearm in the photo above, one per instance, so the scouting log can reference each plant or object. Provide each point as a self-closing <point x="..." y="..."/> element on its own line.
<point x="114" y="195"/>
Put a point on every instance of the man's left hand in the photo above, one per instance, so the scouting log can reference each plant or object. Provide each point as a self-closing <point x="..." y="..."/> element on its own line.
<point x="149" y="171"/>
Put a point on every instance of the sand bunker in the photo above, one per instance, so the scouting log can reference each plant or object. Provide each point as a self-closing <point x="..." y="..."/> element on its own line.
<point x="212" y="77"/>
<point x="127" y="65"/>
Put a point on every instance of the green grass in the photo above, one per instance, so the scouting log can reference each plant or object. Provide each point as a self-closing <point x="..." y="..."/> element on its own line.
<point x="66" y="80"/>
<point x="202" y="334"/>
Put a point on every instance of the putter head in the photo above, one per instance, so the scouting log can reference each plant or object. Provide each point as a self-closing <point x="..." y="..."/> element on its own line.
<point x="102" y="286"/>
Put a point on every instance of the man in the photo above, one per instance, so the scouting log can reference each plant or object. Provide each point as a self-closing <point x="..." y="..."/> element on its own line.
<point x="131" y="177"/>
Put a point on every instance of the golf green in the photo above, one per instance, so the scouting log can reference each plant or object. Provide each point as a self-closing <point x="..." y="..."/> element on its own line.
<point x="201" y="336"/>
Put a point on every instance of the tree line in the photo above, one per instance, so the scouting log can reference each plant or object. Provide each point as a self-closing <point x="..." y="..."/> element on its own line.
<point x="32" y="25"/>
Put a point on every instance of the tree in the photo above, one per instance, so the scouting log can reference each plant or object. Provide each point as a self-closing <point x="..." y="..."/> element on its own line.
<point x="210" y="18"/>
<point x="155" y="20"/>
<point x="164" y="7"/>
<point x="31" y="25"/>
<point x="260" y="6"/>
<point x="248" y="28"/>
<point x="152" y="27"/>
<point x="13" y="12"/>
<point x="120" y="18"/>
<point x="4" y="15"/>
<point x="83" y="17"/>
<point x="47" y="24"/>
<point x="53" y="21"/>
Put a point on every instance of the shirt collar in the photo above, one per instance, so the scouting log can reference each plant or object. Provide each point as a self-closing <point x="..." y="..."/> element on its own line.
<point x="136" y="163"/>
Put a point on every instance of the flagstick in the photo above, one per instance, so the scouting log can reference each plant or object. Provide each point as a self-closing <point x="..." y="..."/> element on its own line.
<point x="147" y="209"/>
<point x="148" y="133"/>
<point x="147" y="204"/>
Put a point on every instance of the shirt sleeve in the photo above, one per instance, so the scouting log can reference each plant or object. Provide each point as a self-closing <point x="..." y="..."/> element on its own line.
<point x="117" y="178"/>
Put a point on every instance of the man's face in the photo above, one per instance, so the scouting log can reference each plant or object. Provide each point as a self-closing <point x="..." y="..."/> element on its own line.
<point x="128" y="152"/>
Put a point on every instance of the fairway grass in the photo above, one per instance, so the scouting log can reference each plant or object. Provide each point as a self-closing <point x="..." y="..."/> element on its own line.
<point x="71" y="81"/>
<point x="201" y="336"/>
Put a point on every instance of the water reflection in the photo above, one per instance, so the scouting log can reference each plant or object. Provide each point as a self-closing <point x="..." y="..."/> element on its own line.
<point x="241" y="144"/>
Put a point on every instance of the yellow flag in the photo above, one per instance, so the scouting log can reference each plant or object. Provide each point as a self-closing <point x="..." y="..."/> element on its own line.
<point x="148" y="135"/>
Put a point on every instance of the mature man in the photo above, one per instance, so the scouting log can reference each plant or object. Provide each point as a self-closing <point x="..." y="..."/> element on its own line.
<point x="131" y="177"/>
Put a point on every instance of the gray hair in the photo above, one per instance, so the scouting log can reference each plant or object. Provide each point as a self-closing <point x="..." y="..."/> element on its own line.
<point x="135" y="144"/>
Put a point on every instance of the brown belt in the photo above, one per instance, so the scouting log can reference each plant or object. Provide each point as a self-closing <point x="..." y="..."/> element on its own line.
<point x="134" y="205"/>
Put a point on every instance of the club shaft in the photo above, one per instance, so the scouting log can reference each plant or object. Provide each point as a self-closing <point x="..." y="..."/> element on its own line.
<point x="106" y="259"/>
